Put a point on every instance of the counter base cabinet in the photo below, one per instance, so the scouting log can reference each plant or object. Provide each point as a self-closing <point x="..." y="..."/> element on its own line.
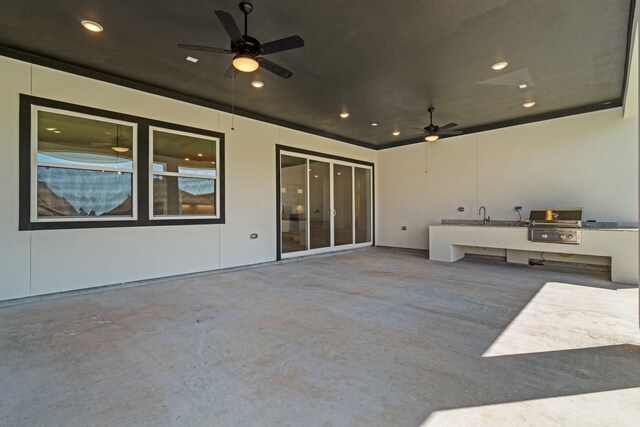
<point x="446" y="243"/>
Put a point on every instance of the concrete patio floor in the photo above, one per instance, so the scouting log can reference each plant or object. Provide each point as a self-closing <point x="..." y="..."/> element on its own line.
<point x="374" y="337"/>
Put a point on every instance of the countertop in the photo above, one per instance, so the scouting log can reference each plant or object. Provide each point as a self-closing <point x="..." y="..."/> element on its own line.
<point x="598" y="225"/>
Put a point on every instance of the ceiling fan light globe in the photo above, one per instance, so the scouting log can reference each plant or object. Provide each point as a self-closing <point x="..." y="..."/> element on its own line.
<point x="120" y="149"/>
<point x="431" y="138"/>
<point x="245" y="63"/>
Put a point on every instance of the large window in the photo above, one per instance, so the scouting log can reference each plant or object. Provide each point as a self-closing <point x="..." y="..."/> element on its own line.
<point x="83" y="167"/>
<point x="184" y="174"/>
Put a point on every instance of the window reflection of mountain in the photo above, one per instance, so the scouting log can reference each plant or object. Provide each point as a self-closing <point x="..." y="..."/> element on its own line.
<point x="74" y="192"/>
<point x="50" y="204"/>
<point x="183" y="196"/>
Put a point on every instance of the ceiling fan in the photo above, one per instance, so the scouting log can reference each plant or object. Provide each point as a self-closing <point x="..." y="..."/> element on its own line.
<point x="249" y="51"/>
<point x="433" y="132"/>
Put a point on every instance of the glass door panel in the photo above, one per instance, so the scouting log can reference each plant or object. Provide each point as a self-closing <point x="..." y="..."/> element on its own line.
<point x="319" y="204"/>
<point x="363" y="205"/>
<point x="293" y="196"/>
<point x="342" y="205"/>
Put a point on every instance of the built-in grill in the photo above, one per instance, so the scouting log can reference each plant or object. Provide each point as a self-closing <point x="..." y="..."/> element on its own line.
<point x="556" y="225"/>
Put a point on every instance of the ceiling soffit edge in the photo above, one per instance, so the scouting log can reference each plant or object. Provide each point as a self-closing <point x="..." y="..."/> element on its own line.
<point x="516" y="122"/>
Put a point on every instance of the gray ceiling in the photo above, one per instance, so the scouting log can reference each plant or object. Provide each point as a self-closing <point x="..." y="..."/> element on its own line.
<point x="383" y="61"/>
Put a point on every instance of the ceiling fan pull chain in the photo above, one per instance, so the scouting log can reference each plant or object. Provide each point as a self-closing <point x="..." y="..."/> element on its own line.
<point x="233" y="98"/>
<point x="426" y="157"/>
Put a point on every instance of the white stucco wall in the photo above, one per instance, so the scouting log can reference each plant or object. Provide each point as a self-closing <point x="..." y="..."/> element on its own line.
<point x="588" y="160"/>
<point x="39" y="262"/>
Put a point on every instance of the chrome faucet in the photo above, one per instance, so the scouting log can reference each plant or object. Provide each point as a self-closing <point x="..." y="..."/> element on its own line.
<point x="485" y="218"/>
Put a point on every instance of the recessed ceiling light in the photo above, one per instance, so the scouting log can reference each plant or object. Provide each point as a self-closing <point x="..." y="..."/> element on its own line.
<point x="257" y="83"/>
<point x="51" y="129"/>
<point x="522" y="86"/>
<point x="108" y="133"/>
<point x="192" y="59"/>
<point x="374" y="124"/>
<point x="529" y="104"/>
<point x="213" y="163"/>
<point x="92" y="26"/>
<point x="57" y="131"/>
<point x="500" y="65"/>
<point x="396" y="133"/>
<point x="604" y="103"/>
<point x="316" y="176"/>
<point x="200" y="154"/>
<point x="186" y="158"/>
<point x="120" y="149"/>
<point x="344" y="115"/>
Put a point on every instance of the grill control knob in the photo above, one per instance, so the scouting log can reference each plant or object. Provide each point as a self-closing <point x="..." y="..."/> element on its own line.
<point x="544" y="235"/>
<point x="570" y="236"/>
<point x="563" y="236"/>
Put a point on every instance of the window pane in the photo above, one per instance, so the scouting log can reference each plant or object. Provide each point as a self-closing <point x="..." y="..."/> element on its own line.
<point x="293" y="194"/>
<point x="174" y="195"/>
<point x="70" y="140"/>
<point x="183" y="154"/>
<point x="343" y="205"/>
<point x="363" y="205"/>
<point x="83" y="193"/>
<point x="319" y="204"/>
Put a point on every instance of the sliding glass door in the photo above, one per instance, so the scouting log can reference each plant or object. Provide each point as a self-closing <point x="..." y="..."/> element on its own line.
<point x="343" y="205"/>
<point x="293" y="199"/>
<point x="325" y="204"/>
<point x="319" y="204"/>
<point x="364" y="204"/>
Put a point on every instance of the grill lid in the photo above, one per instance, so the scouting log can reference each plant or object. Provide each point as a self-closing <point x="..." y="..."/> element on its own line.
<point x="556" y="218"/>
<point x="556" y="215"/>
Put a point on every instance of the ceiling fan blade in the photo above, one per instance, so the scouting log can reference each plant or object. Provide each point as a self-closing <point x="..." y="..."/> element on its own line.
<point x="274" y="68"/>
<point x="448" y="126"/>
<point x="203" y="48"/>
<point x="230" y="25"/>
<point x="286" y="43"/>
<point x="451" y="132"/>
<point x="420" y="129"/>
<point x="231" y="71"/>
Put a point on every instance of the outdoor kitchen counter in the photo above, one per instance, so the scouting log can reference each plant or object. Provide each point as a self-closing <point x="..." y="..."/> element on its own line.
<point x="594" y="225"/>
<point x="446" y="243"/>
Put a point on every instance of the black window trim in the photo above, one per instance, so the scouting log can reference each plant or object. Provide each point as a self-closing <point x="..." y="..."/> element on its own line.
<point x="142" y="161"/>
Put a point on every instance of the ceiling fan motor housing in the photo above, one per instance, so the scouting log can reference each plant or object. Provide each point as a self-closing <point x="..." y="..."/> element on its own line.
<point x="250" y="46"/>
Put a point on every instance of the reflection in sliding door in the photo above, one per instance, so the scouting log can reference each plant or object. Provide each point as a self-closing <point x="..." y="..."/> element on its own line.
<point x="363" y="204"/>
<point x="342" y="205"/>
<point x="293" y="195"/>
<point x="319" y="204"/>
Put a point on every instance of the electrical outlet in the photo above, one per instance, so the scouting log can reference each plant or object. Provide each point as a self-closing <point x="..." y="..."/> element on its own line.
<point x="404" y="228"/>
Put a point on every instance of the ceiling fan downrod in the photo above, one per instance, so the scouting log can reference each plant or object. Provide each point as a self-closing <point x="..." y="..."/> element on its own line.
<point x="246" y="8"/>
